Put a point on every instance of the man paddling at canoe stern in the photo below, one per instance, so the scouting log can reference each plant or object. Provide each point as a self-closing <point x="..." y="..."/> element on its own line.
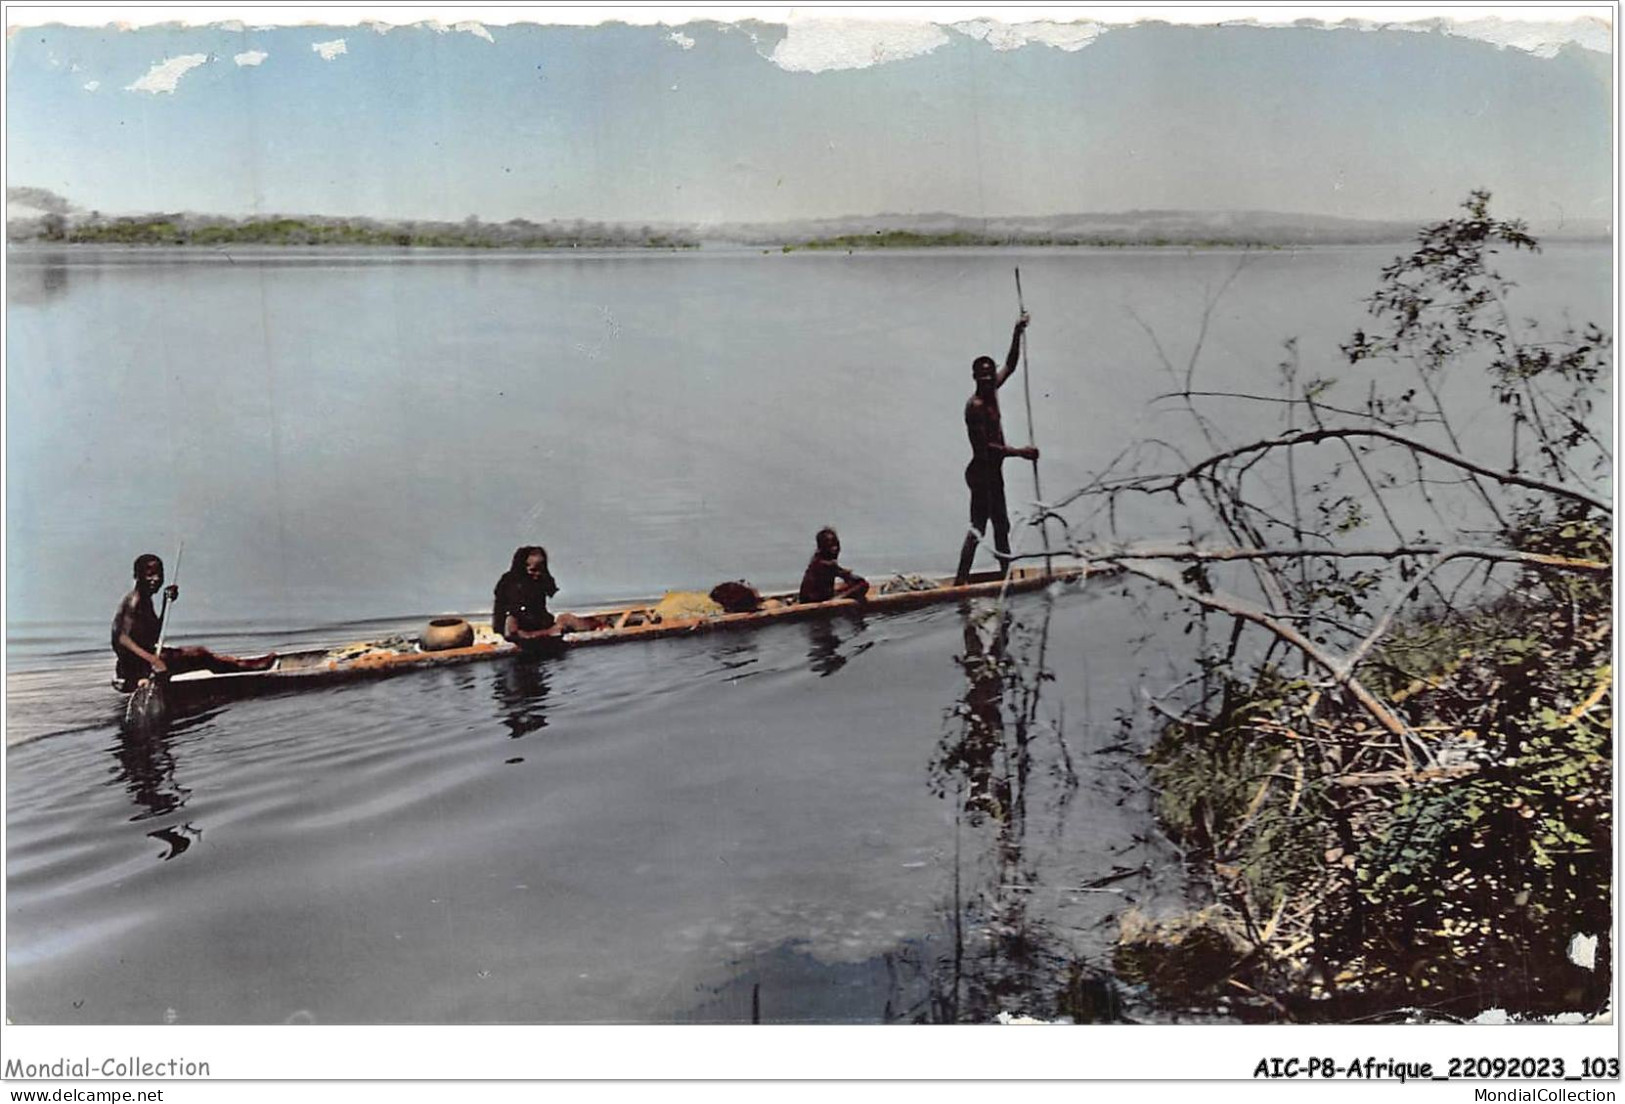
<point x="818" y="581"/>
<point x="137" y="628"/>
<point x="984" y="475"/>
<point x="519" y="604"/>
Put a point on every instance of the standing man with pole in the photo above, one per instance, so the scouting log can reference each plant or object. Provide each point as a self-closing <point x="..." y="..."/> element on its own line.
<point x="984" y="475"/>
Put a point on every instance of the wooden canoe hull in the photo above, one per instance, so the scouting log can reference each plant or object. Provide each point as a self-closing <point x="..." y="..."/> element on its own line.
<point x="625" y="623"/>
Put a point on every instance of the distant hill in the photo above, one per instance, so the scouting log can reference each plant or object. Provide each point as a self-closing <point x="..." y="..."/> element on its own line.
<point x="1119" y="228"/>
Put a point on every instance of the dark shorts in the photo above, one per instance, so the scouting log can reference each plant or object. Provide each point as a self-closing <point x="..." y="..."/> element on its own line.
<point x="986" y="497"/>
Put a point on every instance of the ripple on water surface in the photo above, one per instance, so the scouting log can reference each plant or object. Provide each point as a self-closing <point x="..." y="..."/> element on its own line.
<point x="621" y="835"/>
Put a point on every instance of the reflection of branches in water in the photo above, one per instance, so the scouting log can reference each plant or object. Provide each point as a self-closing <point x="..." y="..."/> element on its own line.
<point x="973" y="749"/>
<point x="989" y="757"/>
<point x="983" y="758"/>
<point x="1005" y="962"/>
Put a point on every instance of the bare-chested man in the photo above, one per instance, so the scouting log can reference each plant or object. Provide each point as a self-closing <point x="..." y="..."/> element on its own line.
<point x="983" y="475"/>
<point x="137" y="627"/>
<point x="819" y="581"/>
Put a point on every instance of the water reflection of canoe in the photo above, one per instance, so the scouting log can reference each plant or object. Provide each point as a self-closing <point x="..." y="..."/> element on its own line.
<point x="622" y="624"/>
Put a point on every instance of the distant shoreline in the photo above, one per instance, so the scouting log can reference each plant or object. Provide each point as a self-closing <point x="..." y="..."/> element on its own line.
<point x="1254" y="230"/>
<point x="355" y="241"/>
<point x="37" y="247"/>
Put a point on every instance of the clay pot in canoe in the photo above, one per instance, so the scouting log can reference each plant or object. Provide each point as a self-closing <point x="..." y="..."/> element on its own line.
<point x="446" y="632"/>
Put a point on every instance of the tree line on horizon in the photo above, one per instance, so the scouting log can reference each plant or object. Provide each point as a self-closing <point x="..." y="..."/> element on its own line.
<point x="184" y="229"/>
<point x="59" y="221"/>
<point x="180" y="229"/>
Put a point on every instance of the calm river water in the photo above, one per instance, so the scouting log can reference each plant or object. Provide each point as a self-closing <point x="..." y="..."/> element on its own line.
<point x="848" y="821"/>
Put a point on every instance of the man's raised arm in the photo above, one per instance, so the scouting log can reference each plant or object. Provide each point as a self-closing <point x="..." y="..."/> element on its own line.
<point x="1013" y="357"/>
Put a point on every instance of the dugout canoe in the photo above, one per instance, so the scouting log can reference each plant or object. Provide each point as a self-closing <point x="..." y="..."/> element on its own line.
<point x="621" y="624"/>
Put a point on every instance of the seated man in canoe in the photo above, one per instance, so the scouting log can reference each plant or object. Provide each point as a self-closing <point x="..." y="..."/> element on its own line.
<point x="519" y="606"/>
<point x="818" y="582"/>
<point x="137" y="627"/>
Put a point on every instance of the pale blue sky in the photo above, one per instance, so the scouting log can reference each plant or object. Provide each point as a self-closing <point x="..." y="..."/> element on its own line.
<point x="707" y="123"/>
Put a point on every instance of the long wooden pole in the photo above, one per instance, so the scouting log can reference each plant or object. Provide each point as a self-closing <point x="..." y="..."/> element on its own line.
<point x="163" y="614"/>
<point x="1027" y="394"/>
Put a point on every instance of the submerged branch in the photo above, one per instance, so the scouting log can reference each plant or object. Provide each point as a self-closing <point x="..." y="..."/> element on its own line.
<point x="1236" y="607"/>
